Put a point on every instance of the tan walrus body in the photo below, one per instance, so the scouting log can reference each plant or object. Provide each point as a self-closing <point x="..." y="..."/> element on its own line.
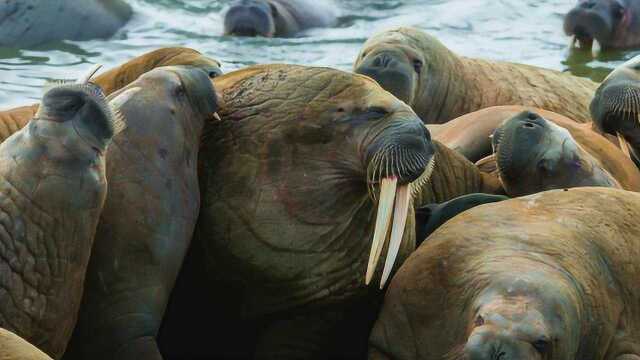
<point x="14" y="119"/>
<point x="440" y="85"/>
<point x="13" y="347"/>
<point x="547" y="276"/>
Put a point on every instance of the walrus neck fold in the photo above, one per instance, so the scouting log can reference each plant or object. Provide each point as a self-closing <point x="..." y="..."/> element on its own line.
<point x="450" y="165"/>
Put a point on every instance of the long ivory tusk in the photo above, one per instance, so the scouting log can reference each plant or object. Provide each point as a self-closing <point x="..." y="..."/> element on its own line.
<point x="399" y="222"/>
<point x="623" y="145"/>
<point x="596" y="48"/>
<point x="383" y="218"/>
<point x="85" y="79"/>
<point x="572" y="41"/>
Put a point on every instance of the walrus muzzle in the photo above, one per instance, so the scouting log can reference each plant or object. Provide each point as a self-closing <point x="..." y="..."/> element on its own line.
<point x="399" y="167"/>
<point x="616" y="106"/>
<point x="391" y="69"/>
<point x="249" y="18"/>
<point x="591" y="24"/>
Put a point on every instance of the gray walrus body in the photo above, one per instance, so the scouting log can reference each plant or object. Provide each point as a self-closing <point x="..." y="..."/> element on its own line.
<point x="28" y="23"/>
<point x="276" y="18"/>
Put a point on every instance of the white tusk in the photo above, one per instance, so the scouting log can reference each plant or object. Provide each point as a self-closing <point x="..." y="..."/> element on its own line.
<point x="383" y="218"/>
<point x="572" y="41"/>
<point x="623" y="145"/>
<point x="85" y="79"/>
<point x="399" y="221"/>
<point x="217" y="117"/>
<point x="596" y="48"/>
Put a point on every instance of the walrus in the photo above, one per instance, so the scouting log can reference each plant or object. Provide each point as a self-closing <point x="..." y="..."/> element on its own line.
<point x="534" y="155"/>
<point x="13" y="347"/>
<point x="616" y="106"/>
<point x="28" y="23"/>
<point x="546" y="276"/>
<point x="603" y="24"/>
<point x="288" y="216"/>
<point x="470" y="135"/>
<point x="149" y="216"/>
<point x="430" y="217"/>
<point x="276" y="18"/>
<point x="440" y="85"/>
<point x="53" y="188"/>
<point x="14" y="119"/>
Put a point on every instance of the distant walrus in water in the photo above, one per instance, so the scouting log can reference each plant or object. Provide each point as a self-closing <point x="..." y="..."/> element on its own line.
<point x="548" y="276"/>
<point x="440" y="85"/>
<point x="597" y="24"/>
<point x="27" y="23"/>
<point x="276" y="18"/>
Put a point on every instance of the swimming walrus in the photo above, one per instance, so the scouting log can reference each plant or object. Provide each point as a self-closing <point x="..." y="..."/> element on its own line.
<point x="615" y="108"/>
<point x="13" y="347"/>
<point x="440" y="85"/>
<point x="600" y="24"/>
<point x="14" y="119"/>
<point x="470" y="135"/>
<point x="276" y="18"/>
<point x="290" y="180"/>
<point x="52" y="188"/>
<point x="546" y="276"/>
<point x="149" y="216"/>
<point x="28" y="23"/>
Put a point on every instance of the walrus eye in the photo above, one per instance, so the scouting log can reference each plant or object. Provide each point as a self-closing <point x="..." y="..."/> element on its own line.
<point x="417" y="66"/>
<point x="541" y="346"/>
<point x="617" y="10"/>
<point x="180" y="91"/>
<point x="479" y="321"/>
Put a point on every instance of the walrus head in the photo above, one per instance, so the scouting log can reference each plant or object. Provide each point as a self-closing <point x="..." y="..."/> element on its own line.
<point x="526" y="316"/>
<point x="598" y="24"/>
<point x="250" y="18"/>
<point x="615" y="108"/>
<point x="407" y="63"/>
<point x="76" y="109"/>
<point x="331" y="146"/>
<point x="534" y="154"/>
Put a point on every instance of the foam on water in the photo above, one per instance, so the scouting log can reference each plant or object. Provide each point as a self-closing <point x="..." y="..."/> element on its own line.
<point x="526" y="31"/>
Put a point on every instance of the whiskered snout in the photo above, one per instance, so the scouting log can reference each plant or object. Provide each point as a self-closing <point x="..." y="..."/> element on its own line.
<point x="397" y="166"/>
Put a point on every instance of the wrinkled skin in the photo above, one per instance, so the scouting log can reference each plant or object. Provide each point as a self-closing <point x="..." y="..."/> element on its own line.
<point x="440" y="85"/>
<point x="470" y="135"/>
<point x="616" y="106"/>
<point x="53" y="189"/>
<point x="13" y="347"/>
<point x="148" y="220"/>
<point x="430" y="217"/>
<point x="276" y="18"/>
<point x="510" y="289"/>
<point x="534" y="155"/>
<point x="612" y="23"/>
<point x="115" y="79"/>
<point x="28" y="23"/>
<point x="291" y="224"/>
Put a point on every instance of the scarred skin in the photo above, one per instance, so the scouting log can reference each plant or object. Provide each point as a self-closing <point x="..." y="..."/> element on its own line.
<point x="28" y="23"/>
<point x="119" y="77"/>
<point x="440" y="85"/>
<point x="297" y="242"/>
<point x="469" y="134"/>
<point x="511" y="286"/>
<point x="149" y="216"/>
<point x="613" y="23"/>
<point x="52" y="188"/>
<point x="13" y="347"/>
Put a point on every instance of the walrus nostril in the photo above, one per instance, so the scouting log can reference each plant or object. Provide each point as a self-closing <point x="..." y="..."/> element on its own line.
<point x="382" y="61"/>
<point x="528" y="125"/>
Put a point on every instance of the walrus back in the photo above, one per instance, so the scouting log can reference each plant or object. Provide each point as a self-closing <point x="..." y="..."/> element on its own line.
<point x="519" y="84"/>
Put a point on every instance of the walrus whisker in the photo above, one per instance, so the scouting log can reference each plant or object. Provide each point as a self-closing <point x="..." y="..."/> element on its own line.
<point x="87" y="77"/>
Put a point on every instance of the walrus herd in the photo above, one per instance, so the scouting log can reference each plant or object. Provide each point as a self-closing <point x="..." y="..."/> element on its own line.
<point x="424" y="206"/>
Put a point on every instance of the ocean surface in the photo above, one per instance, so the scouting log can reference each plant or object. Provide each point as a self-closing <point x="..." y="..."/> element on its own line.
<point x="525" y="31"/>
